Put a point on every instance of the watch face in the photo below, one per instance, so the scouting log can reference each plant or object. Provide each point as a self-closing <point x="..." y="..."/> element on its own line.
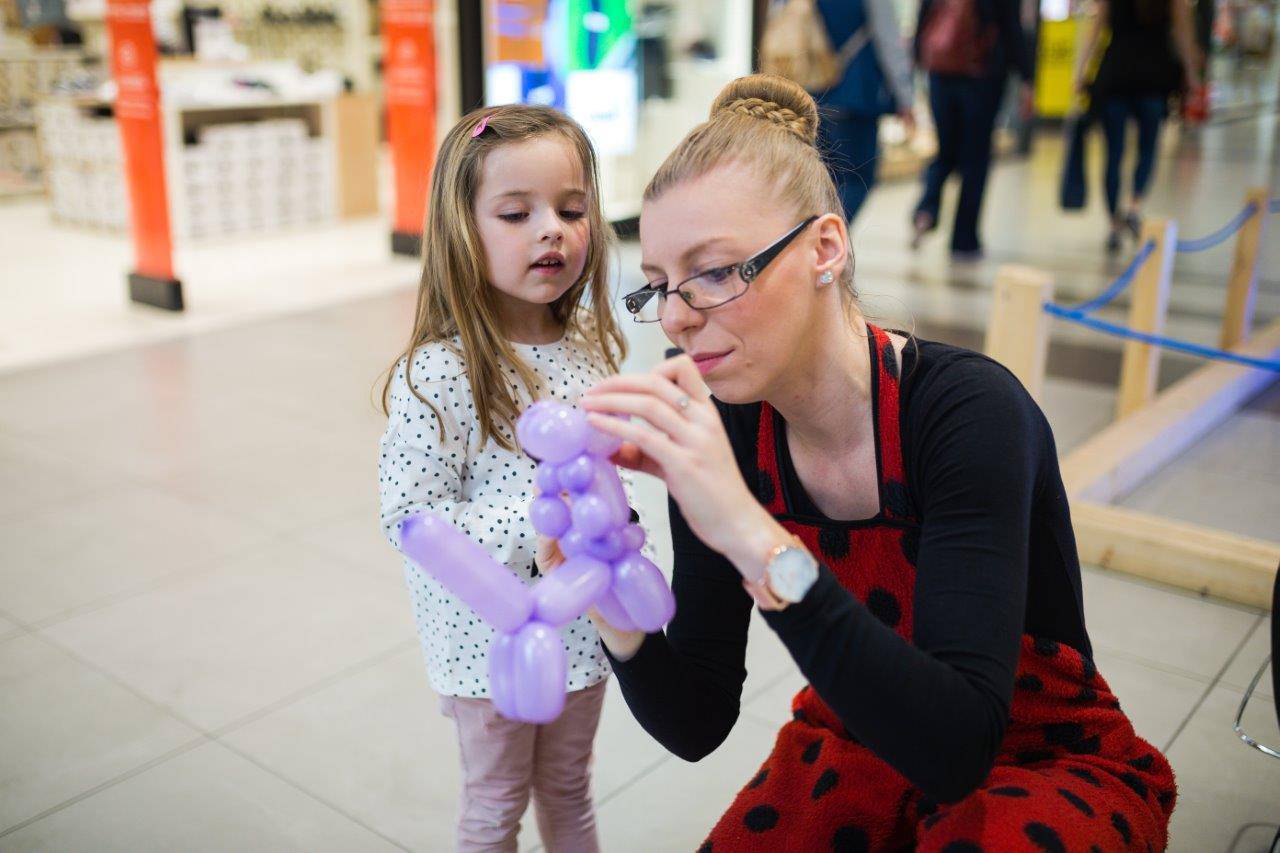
<point x="791" y="573"/>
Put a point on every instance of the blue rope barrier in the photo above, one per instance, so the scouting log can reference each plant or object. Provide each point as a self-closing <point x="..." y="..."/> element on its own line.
<point x="1080" y="313"/>
<point x="1074" y="315"/>
<point x="1210" y="240"/>
<point x="1121" y="283"/>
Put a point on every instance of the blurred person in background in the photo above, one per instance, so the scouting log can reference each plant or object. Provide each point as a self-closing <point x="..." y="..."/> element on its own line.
<point x="1151" y="55"/>
<point x="876" y="81"/>
<point x="968" y="48"/>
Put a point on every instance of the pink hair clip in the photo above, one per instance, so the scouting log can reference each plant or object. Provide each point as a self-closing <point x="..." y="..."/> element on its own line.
<point x="480" y="128"/>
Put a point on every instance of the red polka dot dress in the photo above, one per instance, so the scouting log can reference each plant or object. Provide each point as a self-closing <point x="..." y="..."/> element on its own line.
<point x="1070" y="774"/>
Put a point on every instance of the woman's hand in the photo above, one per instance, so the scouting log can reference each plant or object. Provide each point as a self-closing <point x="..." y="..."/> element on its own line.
<point x="685" y="445"/>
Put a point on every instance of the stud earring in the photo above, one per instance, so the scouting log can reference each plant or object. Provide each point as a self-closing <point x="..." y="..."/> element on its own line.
<point x="827" y="277"/>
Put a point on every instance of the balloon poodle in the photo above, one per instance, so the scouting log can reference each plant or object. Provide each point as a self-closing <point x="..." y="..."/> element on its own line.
<point x="603" y="565"/>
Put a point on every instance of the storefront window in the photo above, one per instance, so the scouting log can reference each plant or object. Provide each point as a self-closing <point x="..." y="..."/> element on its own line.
<point x="637" y="75"/>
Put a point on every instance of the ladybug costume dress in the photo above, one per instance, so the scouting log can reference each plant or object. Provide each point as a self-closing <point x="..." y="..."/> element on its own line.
<point x="952" y="702"/>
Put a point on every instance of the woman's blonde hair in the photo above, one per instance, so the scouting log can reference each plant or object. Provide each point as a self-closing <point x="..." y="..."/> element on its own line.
<point x="769" y="125"/>
<point x="454" y="294"/>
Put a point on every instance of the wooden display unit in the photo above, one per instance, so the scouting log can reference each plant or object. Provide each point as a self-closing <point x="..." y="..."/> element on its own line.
<point x="1152" y="429"/>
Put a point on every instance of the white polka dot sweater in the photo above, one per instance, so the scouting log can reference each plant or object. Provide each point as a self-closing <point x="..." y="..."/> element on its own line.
<point x="485" y="491"/>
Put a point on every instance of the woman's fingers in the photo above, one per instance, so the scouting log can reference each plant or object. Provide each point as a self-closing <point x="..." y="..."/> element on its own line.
<point x="675" y="382"/>
<point x="632" y="457"/>
<point x="652" y="443"/>
<point x="638" y="383"/>
<point x="684" y="373"/>
<point x="655" y="411"/>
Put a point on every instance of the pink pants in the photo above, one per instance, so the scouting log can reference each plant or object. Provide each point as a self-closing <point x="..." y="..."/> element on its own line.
<point x="504" y="761"/>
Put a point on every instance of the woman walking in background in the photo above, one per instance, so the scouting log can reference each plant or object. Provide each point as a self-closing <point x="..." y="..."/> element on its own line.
<point x="1151" y="55"/>
<point x="969" y="48"/>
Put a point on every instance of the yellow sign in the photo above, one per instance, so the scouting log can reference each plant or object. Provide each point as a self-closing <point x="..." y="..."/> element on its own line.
<point x="1055" y="67"/>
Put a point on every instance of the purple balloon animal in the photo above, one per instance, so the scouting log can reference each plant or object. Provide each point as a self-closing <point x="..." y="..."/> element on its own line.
<point x="603" y="565"/>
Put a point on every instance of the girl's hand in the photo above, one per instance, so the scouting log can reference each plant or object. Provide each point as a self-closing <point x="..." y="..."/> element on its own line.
<point x="548" y="555"/>
<point x="688" y="449"/>
<point x="622" y="644"/>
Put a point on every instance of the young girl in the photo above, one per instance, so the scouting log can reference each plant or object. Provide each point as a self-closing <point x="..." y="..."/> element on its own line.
<point x="513" y="306"/>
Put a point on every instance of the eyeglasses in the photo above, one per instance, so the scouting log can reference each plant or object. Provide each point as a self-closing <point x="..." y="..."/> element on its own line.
<point x="709" y="288"/>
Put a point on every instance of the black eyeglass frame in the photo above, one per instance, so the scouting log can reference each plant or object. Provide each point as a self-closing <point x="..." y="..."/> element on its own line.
<point x="747" y="270"/>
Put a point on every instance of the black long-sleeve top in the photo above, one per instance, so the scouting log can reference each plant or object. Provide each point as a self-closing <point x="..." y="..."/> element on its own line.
<point x="996" y="559"/>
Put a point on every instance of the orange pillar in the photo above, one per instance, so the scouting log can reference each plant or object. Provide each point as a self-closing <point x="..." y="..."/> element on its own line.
<point x="137" y="112"/>
<point x="409" y="70"/>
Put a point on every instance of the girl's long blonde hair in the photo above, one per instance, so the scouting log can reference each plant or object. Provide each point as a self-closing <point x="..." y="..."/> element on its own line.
<point x="454" y="294"/>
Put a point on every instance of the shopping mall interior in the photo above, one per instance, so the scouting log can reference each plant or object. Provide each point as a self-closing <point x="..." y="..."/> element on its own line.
<point x="206" y="640"/>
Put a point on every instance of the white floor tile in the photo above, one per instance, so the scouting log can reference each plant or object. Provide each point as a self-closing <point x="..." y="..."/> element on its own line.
<point x="623" y="749"/>
<point x="1155" y="700"/>
<point x="1246" y="446"/>
<point x="1249" y="661"/>
<point x="1204" y="495"/>
<point x="675" y="806"/>
<point x="85" y="550"/>
<point x="286" y="489"/>
<point x="1223" y="784"/>
<point x="1138" y="618"/>
<point x="82" y="306"/>
<point x="772" y="705"/>
<point x="357" y="540"/>
<point x="374" y="745"/>
<point x="224" y="644"/>
<point x="65" y="728"/>
<point x="48" y="479"/>
<point x="208" y="799"/>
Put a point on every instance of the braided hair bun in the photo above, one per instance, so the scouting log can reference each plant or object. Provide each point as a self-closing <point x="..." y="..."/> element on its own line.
<point x="776" y="100"/>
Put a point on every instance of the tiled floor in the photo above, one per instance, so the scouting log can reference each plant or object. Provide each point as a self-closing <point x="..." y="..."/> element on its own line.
<point x="205" y="643"/>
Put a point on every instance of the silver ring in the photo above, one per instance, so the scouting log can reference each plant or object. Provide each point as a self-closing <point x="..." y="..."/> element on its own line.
<point x="683" y="402"/>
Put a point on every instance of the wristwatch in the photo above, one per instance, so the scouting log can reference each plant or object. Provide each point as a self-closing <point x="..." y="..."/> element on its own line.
<point x="790" y="571"/>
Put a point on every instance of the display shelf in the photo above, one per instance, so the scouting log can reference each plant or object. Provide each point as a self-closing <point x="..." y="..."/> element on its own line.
<point x="230" y="169"/>
<point x="26" y="75"/>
